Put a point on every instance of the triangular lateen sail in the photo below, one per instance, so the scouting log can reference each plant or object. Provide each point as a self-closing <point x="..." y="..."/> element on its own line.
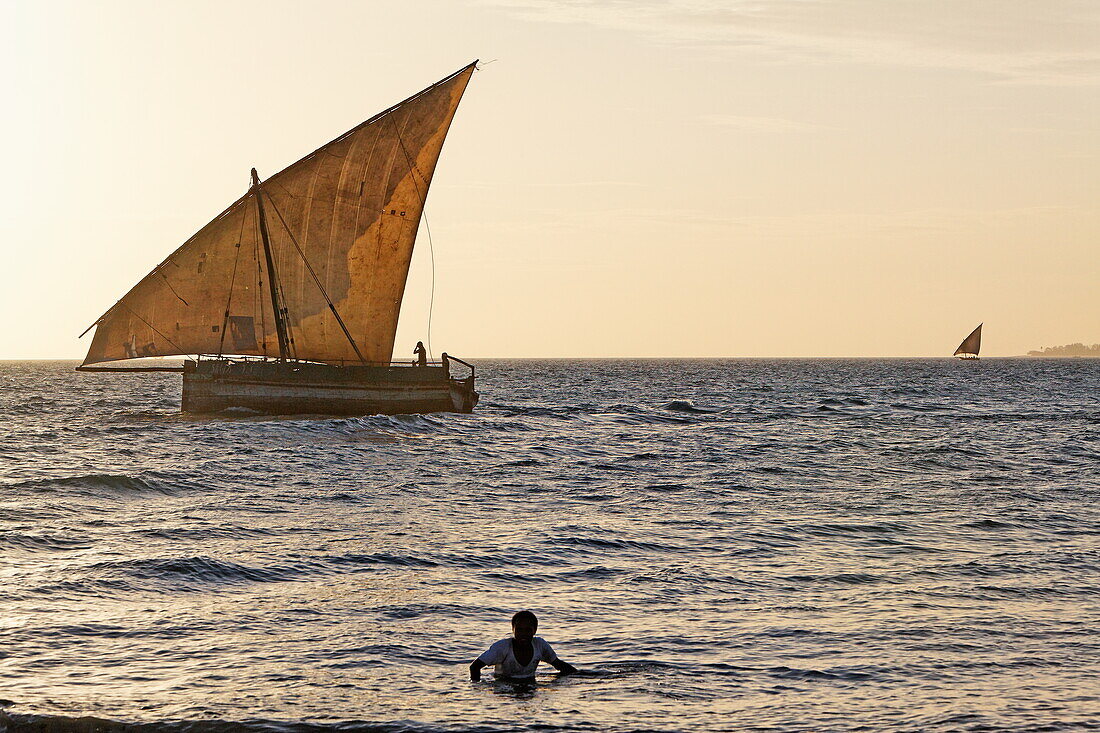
<point x="972" y="344"/>
<point x="351" y="208"/>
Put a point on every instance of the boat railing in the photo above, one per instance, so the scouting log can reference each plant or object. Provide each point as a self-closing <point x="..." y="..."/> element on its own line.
<point x="447" y="358"/>
<point x="253" y="359"/>
<point x="444" y="363"/>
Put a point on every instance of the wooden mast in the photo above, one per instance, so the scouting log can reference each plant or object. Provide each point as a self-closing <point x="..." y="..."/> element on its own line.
<point x="280" y="323"/>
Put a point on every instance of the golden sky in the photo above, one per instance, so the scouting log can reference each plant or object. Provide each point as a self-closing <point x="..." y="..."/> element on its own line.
<point x="649" y="178"/>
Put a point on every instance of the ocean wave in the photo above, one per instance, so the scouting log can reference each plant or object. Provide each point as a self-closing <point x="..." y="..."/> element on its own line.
<point x="190" y="572"/>
<point x="836" y="674"/>
<point x="381" y="558"/>
<point x="687" y="581"/>
<point x="993" y="524"/>
<point x="191" y="533"/>
<point x="834" y="578"/>
<point x="612" y="543"/>
<point x="686" y="406"/>
<point x="45" y="541"/>
<point x="95" y="484"/>
<point x="201" y="573"/>
<point x="841" y="401"/>
<point x="838" y="529"/>
<point x="29" y="723"/>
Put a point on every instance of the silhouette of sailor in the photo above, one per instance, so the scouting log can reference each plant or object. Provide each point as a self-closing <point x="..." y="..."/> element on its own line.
<point x="421" y="354"/>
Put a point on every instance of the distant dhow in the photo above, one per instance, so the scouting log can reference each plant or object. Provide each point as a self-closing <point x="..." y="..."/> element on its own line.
<point x="971" y="345"/>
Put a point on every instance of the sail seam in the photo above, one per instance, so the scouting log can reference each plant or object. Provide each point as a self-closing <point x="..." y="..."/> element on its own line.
<point x="384" y="186"/>
<point x="424" y="215"/>
<point x="306" y="214"/>
<point x="334" y="216"/>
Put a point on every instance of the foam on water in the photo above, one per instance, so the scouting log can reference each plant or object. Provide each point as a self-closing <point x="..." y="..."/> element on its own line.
<point x="718" y="545"/>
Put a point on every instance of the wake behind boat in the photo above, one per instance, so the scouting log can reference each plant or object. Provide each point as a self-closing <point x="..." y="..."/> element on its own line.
<point x="289" y="299"/>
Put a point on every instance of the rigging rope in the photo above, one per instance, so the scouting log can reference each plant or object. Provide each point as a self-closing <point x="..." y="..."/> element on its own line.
<point x="152" y="327"/>
<point x="316" y="279"/>
<point x="431" y="252"/>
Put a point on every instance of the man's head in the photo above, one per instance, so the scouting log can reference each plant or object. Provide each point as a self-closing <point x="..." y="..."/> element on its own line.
<point x="524" y="625"/>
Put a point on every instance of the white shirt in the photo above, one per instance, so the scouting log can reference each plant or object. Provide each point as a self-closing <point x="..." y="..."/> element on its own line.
<point x="502" y="656"/>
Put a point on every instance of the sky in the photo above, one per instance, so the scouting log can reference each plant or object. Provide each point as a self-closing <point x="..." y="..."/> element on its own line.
<point x="624" y="178"/>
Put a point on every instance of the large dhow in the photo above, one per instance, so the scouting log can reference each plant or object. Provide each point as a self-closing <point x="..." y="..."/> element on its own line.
<point x="971" y="345"/>
<point x="289" y="299"/>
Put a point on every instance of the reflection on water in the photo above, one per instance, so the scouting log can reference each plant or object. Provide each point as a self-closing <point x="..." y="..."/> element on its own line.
<point x="779" y="545"/>
<point x="518" y="689"/>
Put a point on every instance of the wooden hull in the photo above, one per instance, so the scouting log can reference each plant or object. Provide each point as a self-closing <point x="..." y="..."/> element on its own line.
<point x="301" y="388"/>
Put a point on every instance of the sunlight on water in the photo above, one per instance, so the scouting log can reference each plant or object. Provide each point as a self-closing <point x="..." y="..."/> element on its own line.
<point x="751" y="545"/>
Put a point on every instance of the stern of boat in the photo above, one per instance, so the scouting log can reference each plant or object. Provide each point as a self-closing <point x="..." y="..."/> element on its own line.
<point x="463" y="393"/>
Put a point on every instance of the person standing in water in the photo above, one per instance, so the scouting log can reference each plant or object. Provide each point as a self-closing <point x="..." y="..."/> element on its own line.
<point x="518" y="657"/>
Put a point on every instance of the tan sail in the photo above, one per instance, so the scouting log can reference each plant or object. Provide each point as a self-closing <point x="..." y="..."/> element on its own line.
<point x="972" y="344"/>
<point x="342" y="222"/>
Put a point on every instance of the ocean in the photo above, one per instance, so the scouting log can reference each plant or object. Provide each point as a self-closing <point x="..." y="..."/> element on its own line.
<point x="718" y="545"/>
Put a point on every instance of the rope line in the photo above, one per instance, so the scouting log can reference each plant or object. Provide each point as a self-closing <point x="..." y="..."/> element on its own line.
<point x="316" y="280"/>
<point x="152" y="328"/>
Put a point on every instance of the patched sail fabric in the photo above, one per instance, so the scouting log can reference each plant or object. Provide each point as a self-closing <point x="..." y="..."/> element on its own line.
<point x="341" y="224"/>
<point x="972" y="344"/>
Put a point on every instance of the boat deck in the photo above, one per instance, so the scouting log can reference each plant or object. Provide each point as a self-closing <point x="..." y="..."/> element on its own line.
<point x="311" y="388"/>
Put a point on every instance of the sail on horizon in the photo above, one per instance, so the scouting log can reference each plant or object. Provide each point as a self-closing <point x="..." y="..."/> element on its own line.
<point x="342" y="223"/>
<point x="972" y="344"/>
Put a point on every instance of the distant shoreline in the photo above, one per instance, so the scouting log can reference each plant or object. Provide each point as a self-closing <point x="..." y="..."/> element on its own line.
<point x="1068" y="351"/>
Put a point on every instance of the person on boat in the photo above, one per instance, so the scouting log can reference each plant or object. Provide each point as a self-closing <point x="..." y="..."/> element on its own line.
<point x="421" y="354"/>
<point x="517" y="657"/>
